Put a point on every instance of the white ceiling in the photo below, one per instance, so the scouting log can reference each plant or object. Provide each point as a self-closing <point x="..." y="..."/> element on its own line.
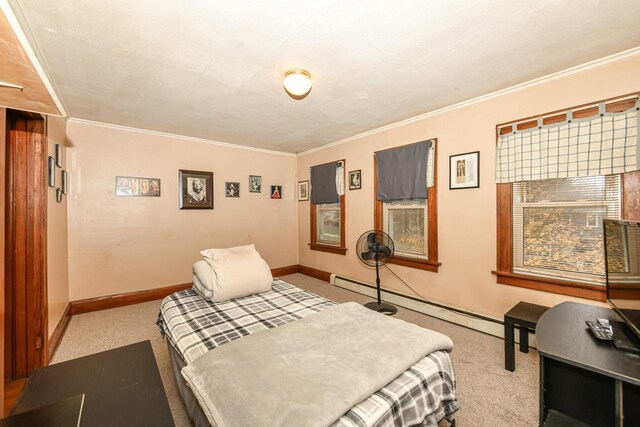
<point x="213" y="69"/>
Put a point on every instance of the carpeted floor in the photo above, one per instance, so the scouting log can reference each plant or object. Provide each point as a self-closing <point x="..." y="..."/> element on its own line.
<point x="488" y="394"/>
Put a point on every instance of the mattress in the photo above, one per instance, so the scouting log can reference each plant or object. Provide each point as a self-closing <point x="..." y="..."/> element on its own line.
<point x="422" y="395"/>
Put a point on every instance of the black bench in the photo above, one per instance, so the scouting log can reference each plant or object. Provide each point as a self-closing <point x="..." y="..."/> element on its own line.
<point x="525" y="316"/>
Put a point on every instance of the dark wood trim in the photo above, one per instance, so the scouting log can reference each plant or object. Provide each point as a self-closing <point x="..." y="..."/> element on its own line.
<point x="631" y="196"/>
<point x="432" y="263"/>
<point x="615" y="104"/>
<point x="123" y="299"/>
<point x="284" y="271"/>
<point x="58" y="333"/>
<point x="504" y="235"/>
<point x="314" y="272"/>
<point x="3" y="168"/>
<point x="579" y="290"/>
<point x="328" y="248"/>
<point x="314" y="245"/>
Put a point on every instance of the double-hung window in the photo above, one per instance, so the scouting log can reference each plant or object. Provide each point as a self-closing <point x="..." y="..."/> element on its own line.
<point x="406" y="205"/>
<point x="558" y="177"/>
<point x="327" y="208"/>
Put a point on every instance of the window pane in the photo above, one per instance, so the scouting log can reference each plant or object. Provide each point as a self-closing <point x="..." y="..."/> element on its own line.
<point x="566" y="189"/>
<point x="406" y="228"/>
<point x="328" y="223"/>
<point x="564" y="239"/>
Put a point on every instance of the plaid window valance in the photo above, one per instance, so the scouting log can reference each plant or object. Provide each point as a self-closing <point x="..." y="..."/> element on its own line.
<point x="600" y="145"/>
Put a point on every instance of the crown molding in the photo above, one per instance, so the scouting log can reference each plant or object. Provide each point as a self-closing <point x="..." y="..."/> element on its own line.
<point x="182" y="137"/>
<point x="521" y="86"/>
<point x="24" y="41"/>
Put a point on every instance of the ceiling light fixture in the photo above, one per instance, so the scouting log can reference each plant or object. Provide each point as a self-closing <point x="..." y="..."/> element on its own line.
<point x="297" y="83"/>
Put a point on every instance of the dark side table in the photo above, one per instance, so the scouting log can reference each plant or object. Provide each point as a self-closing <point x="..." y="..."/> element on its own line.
<point x="525" y="316"/>
<point x="122" y="387"/>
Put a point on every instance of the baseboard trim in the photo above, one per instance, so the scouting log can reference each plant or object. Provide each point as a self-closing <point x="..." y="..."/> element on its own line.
<point x="121" y="300"/>
<point x="315" y="273"/>
<point x="283" y="271"/>
<point x="54" y="340"/>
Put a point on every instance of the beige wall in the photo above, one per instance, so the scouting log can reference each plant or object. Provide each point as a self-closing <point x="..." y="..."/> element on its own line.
<point x="57" y="244"/>
<point x="124" y="244"/>
<point x="466" y="218"/>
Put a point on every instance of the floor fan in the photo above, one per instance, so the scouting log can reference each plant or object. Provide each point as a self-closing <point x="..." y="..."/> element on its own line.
<point x="375" y="248"/>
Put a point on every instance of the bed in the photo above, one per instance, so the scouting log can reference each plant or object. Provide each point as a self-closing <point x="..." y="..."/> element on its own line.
<point x="422" y="395"/>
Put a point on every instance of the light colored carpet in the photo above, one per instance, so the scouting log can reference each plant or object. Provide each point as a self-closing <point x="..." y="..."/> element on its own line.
<point x="488" y="394"/>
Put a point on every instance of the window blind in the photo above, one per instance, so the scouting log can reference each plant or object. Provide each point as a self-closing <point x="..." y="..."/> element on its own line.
<point x="558" y="228"/>
<point x="323" y="183"/>
<point x="402" y="172"/>
<point x="604" y="144"/>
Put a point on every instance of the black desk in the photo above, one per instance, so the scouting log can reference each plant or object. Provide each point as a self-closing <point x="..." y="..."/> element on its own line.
<point x="122" y="387"/>
<point x="583" y="380"/>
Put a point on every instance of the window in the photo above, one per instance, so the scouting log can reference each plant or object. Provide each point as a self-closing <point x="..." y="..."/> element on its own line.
<point x="328" y="219"/>
<point x="557" y="226"/>
<point x="559" y="175"/>
<point x="406" y="222"/>
<point x="412" y="224"/>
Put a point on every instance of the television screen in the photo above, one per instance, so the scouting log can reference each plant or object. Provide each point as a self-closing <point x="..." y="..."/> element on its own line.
<point x="622" y="261"/>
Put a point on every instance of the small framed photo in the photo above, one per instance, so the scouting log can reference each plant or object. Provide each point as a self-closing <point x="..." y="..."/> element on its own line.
<point x="59" y="155"/>
<point x="464" y="170"/>
<point x="232" y="189"/>
<point x="58" y="195"/>
<point x="65" y="182"/>
<point x="276" y="192"/>
<point x="196" y="189"/>
<point x="303" y="191"/>
<point x="255" y="184"/>
<point x="52" y="172"/>
<point x="134" y="186"/>
<point x="154" y="187"/>
<point x="355" y="180"/>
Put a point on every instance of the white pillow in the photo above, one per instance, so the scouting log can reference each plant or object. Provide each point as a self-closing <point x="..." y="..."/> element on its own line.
<point x="203" y="279"/>
<point x="237" y="272"/>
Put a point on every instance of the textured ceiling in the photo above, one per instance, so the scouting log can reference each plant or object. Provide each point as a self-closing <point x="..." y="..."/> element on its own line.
<point x="213" y="69"/>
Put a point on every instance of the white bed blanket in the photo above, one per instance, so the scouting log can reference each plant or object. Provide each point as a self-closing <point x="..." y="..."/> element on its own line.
<point x="308" y="372"/>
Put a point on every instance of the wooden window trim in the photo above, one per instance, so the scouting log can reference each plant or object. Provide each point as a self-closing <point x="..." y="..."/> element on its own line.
<point x="315" y="245"/>
<point x="430" y="264"/>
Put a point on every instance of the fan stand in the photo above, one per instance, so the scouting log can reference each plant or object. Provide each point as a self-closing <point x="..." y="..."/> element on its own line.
<point x="379" y="306"/>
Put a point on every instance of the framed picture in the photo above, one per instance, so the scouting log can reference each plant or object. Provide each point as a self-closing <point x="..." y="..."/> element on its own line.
<point x="59" y="155"/>
<point x="196" y="189"/>
<point x="232" y="189"/>
<point x="303" y="191"/>
<point x="132" y="186"/>
<point x="52" y="172"/>
<point x="276" y="192"/>
<point x="464" y="170"/>
<point x="355" y="180"/>
<point x="65" y="182"/>
<point x="58" y="195"/>
<point x="255" y="184"/>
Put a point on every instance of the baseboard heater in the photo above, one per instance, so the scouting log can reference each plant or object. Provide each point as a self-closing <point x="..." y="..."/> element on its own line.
<point x="458" y="316"/>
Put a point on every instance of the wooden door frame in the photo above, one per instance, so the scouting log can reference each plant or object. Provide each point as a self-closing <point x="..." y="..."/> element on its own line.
<point x="36" y="334"/>
<point x="3" y="168"/>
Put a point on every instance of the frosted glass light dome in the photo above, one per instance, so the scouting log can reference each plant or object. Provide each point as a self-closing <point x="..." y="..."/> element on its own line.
<point x="297" y="83"/>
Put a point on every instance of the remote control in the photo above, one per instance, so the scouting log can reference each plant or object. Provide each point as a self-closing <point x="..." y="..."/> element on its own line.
<point x="603" y="334"/>
<point x="604" y="323"/>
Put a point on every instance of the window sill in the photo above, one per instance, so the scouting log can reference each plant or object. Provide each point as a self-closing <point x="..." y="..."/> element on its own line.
<point x="328" y="248"/>
<point x="580" y="290"/>
<point x="421" y="264"/>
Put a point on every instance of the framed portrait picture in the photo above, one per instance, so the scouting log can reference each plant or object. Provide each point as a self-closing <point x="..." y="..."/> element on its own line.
<point x="132" y="186"/>
<point x="65" y="182"/>
<point x="355" y="180"/>
<point x="303" y="191"/>
<point x="59" y="155"/>
<point x="276" y="192"/>
<point x="464" y="170"/>
<point x="196" y="189"/>
<point x="255" y="184"/>
<point x="52" y="172"/>
<point x="232" y="189"/>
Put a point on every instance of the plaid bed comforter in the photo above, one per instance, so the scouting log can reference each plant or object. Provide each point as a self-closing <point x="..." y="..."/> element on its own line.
<point x="422" y="395"/>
